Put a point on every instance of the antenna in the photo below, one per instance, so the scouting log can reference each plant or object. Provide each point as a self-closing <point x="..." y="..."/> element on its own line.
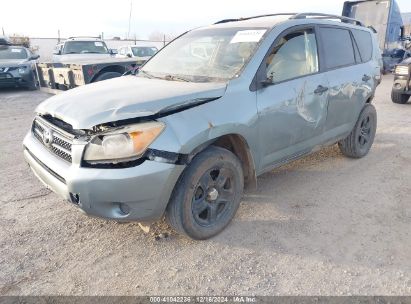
<point x="129" y="19"/>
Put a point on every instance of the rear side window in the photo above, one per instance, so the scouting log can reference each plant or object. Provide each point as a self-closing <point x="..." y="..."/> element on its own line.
<point x="338" y="47"/>
<point x="364" y="42"/>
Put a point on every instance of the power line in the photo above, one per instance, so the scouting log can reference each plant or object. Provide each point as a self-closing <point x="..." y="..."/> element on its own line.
<point x="129" y="19"/>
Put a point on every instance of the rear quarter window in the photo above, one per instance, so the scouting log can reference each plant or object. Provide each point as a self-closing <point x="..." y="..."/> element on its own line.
<point x="338" y="47"/>
<point x="364" y="43"/>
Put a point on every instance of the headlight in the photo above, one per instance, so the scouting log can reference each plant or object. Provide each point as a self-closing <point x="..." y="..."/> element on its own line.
<point x="125" y="144"/>
<point x="402" y="70"/>
<point x="22" y="69"/>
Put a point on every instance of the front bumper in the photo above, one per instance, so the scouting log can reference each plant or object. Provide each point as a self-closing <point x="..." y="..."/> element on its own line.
<point x="139" y="193"/>
<point x="10" y="80"/>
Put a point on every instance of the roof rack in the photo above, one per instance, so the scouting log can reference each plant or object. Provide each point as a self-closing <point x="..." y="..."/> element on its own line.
<point x="299" y="16"/>
<point x="255" y="17"/>
<point x="327" y="16"/>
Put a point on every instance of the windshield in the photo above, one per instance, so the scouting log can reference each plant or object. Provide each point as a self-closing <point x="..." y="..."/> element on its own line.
<point x="144" y="51"/>
<point x="205" y="55"/>
<point x="85" y="47"/>
<point x="13" y="53"/>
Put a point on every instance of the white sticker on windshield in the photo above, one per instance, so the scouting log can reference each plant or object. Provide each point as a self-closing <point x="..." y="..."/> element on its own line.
<point x="248" y="36"/>
<point x="98" y="43"/>
<point x="16" y="50"/>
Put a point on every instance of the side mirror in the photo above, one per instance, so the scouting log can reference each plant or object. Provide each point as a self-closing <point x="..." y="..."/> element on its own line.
<point x="113" y="52"/>
<point x="129" y="55"/>
<point x="34" y="57"/>
<point x="267" y="82"/>
<point x="57" y="52"/>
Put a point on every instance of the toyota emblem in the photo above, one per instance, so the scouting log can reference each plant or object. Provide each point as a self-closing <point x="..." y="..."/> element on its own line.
<point x="47" y="137"/>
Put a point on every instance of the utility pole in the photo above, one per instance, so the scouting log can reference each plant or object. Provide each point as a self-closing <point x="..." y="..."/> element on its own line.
<point x="2" y="28"/>
<point x="58" y="36"/>
<point x="129" y="19"/>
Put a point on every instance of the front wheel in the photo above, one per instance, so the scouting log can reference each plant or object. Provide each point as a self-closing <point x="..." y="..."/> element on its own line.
<point x="361" y="138"/>
<point x="399" y="97"/>
<point x="207" y="195"/>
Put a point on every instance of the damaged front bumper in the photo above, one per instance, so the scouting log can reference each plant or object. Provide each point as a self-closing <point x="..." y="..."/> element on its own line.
<point x="139" y="193"/>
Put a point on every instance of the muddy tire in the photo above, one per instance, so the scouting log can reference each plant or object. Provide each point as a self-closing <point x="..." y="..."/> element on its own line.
<point x="361" y="138"/>
<point x="399" y="98"/>
<point x="207" y="195"/>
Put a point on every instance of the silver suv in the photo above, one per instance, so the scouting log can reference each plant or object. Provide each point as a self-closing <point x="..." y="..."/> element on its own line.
<point x="205" y="116"/>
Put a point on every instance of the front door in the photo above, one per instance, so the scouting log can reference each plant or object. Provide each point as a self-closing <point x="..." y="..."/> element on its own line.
<point x="292" y="98"/>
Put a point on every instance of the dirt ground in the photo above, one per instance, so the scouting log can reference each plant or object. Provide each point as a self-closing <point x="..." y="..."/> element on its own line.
<point x="324" y="225"/>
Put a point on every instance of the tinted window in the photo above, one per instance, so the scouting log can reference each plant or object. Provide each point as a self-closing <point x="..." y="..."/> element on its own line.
<point x="85" y="47"/>
<point x="338" y="47"/>
<point x="364" y="43"/>
<point x="143" y="51"/>
<point x="295" y="55"/>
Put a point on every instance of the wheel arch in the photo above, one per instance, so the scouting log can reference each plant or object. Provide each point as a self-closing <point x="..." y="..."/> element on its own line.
<point x="112" y="68"/>
<point x="238" y="145"/>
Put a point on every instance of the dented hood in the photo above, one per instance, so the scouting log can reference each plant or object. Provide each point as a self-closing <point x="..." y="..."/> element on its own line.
<point x="125" y="98"/>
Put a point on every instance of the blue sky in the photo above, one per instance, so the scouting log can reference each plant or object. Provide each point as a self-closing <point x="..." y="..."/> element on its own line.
<point x="42" y="18"/>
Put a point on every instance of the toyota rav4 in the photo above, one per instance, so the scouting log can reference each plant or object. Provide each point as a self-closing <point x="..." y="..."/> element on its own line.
<point x="205" y="116"/>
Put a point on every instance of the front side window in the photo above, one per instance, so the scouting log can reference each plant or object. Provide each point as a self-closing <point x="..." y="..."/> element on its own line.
<point x="85" y="47"/>
<point x="295" y="55"/>
<point x="338" y="47"/>
<point x="204" y="55"/>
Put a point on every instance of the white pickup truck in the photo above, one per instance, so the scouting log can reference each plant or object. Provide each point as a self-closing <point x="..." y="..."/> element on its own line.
<point x="79" y="61"/>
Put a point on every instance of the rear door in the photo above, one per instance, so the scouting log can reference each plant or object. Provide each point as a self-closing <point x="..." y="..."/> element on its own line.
<point x="291" y="97"/>
<point x="347" y="82"/>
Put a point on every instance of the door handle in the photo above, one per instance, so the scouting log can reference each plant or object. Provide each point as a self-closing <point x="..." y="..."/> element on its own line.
<point x="320" y="89"/>
<point x="366" y="78"/>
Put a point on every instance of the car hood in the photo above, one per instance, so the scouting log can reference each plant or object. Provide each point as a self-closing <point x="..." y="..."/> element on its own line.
<point x="70" y="58"/>
<point x="124" y="98"/>
<point x="4" y="63"/>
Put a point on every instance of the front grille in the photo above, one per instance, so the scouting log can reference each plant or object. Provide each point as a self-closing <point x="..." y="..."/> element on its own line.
<point x="54" y="139"/>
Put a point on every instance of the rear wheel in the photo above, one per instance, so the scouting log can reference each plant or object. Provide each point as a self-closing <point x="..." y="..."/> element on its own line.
<point x="207" y="195"/>
<point x="361" y="138"/>
<point x="399" y="98"/>
<point x="107" y="75"/>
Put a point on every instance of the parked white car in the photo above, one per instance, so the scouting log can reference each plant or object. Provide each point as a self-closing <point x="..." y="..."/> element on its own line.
<point x="141" y="53"/>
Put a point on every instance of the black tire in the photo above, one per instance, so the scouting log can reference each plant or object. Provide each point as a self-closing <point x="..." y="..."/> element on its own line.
<point x="107" y="75"/>
<point x="361" y="138"/>
<point x="207" y="195"/>
<point x="33" y="86"/>
<point x="399" y="98"/>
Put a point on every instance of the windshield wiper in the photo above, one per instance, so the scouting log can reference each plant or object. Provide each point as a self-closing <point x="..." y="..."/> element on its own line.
<point x="149" y="75"/>
<point x="176" y="77"/>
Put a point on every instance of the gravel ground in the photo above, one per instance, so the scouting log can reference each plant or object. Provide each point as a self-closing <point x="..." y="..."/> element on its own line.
<point x="323" y="225"/>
